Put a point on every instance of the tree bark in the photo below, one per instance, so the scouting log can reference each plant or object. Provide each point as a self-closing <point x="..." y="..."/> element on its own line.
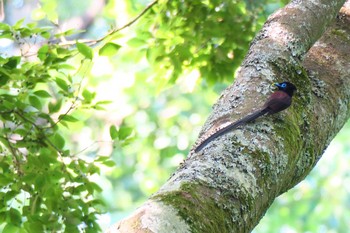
<point x="229" y="185"/>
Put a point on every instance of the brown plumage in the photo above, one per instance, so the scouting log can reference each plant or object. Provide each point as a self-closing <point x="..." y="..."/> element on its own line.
<point x="278" y="101"/>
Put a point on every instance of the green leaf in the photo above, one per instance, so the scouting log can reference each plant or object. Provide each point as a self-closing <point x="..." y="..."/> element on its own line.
<point x="40" y="181"/>
<point x="104" y="102"/>
<point x="18" y="24"/>
<point x="88" y="96"/>
<point x="15" y="217"/>
<point x="58" y="141"/>
<point x="109" y="49"/>
<point x="9" y="228"/>
<point x="85" y="50"/>
<point x="12" y="62"/>
<point x="2" y="217"/>
<point x="4" y="27"/>
<point x="7" y="35"/>
<point x="25" y="32"/>
<point x="136" y="42"/>
<point x="66" y="66"/>
<point x="93" y="169"/>
<point x="99" y="107"/>
<point x="42" y="52"/>
<point x="113" y="132"/>
<point x="4" y="180"/>
<point x="35" y="102"/>
<point x="63" y="52"/>
<point x="109" y="163"/>
<point x="102" y="158"/>
<point x="105" y="160"/>
<point x="48" y="156"/>
<point x="10" y="195"/>
<point x="62" y="84"/>
<point x="46" y="34"/>
<point x="64" y="124"/>
<point x="100" y="104"/>
<point x="29" y="178"/>
<point x="42" y="93"/>
<point x="91" y="187"/>
<point x="96" y="187"/>
<point x="3" y="79"/>
<point x="68" y="118"/>
<point x="33" y="226"/>
<point x="32" y="25"/>
<point x="55" y="107"/>
<point x="124" y="132"/>
<point x="5" y="75"/>
<point x="68" y="32"/>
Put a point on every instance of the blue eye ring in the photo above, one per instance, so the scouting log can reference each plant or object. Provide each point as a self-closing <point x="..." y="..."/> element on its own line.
<point x="283" y="85"/>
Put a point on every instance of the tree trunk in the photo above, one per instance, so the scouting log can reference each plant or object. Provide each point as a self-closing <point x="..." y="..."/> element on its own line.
<point x="229" y="185"/>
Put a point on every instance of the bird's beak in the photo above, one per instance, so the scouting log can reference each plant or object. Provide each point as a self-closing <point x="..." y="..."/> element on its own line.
<point x="274" y="86"/>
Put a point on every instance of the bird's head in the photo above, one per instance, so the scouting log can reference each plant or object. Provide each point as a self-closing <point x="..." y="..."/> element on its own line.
<point x="287" y="87"/>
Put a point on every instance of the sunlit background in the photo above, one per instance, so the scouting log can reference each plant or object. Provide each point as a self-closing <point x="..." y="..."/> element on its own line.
<point x="166" y="119"/>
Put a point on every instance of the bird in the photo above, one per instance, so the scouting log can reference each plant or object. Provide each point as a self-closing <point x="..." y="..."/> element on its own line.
<point x="278" y="101"/>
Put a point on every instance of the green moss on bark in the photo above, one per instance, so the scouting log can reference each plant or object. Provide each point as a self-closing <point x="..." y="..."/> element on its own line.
<point x="195" y="202"/>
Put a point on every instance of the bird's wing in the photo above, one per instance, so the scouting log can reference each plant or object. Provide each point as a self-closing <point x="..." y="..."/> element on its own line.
<point x="278" y="101"/>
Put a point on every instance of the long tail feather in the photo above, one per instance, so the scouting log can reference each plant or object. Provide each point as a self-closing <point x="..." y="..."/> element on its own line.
<point x="229" y="127"/>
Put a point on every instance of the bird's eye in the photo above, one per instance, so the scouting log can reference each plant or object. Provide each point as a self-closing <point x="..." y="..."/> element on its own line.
<point x="284" y="85"/>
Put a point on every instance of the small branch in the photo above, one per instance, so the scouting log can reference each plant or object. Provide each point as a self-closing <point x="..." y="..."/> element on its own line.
<point x="14" y="153"/>
<point x="76" y="98"/>
<point x="137" y="17"/>
<point x="89" y="146"/>
<point x="93" y="42"/>
<point x="20" y="114"/>
<point x="71" y="107"/>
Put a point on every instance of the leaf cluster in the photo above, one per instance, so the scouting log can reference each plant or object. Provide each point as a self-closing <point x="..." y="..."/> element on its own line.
<point x="210" y="36"/>
<point x="44" y="187"/>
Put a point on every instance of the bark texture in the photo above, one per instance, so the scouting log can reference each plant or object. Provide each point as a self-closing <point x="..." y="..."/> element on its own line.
<point x="229" y="185"/>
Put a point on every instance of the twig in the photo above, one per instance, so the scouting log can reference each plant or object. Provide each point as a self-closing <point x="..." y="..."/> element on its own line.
<point x="76" y="98"/>
<point x="89" y="146"/>
<point x="93" y="42"/>
<point x="14" y="153"/>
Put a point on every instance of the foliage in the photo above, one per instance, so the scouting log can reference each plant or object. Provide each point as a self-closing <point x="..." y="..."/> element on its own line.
<point x="210" y="36"/>
<point x="44" y="187"/>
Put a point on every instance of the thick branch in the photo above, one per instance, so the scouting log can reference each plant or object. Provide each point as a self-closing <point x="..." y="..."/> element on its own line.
<point x="229" y="185"/>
